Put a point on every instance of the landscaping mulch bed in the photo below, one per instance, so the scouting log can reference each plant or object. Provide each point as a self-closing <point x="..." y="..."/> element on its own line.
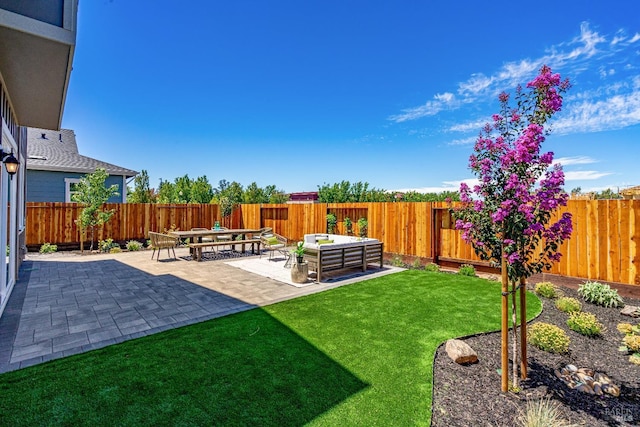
<point x="470" y="395"/>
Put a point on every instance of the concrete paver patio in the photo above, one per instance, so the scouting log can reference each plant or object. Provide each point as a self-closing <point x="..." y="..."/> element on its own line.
<point x="65" y="304"/>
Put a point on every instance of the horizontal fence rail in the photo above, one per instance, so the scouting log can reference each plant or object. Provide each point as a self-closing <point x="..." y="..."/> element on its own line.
<point x="603" y="246"/>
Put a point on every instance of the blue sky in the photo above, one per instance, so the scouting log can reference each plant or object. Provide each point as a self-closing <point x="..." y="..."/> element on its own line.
<point x="298" y="94"/>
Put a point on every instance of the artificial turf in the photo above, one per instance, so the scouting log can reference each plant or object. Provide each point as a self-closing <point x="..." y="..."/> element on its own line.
<point x="360" y="354"/>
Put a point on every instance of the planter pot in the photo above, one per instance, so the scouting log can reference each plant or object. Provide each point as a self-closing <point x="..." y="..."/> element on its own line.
<point x="299" y="272"/>
<point x="299" y="259"/>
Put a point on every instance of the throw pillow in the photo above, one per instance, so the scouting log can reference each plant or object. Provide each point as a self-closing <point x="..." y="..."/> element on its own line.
<point x="273" y="241"/>
<point x="323" y="241"/>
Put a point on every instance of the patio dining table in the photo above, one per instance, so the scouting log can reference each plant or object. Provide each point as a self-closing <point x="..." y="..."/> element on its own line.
<point x="237" y="235"/>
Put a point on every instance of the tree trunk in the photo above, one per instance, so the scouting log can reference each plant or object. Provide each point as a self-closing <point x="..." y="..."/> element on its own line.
<point x="505" y="327"/>
<point x="514" y="324"/>
<point x="523" y="328"/>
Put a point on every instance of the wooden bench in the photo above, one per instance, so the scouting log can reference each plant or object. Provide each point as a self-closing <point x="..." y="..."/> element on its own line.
<point x="196" y="248"/>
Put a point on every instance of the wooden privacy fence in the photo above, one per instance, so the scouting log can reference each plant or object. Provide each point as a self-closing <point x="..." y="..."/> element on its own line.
<point x="603" y="246"/>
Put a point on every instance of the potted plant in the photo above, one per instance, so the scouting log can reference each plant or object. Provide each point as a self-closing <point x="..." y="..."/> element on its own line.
<point x="348" y="224"/>
<point x="299" y="252"/>
<point x="332" y="221"/>
<point x="362" y="226"/>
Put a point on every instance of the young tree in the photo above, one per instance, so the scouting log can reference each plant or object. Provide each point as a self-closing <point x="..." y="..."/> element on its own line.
<point x="228" y="196"/>
<point x="278" y="197"/>
<point x="142" y="193"/>
<point x="254" y="194"/>
<point x="201" y="190"/>
<point x="506" y="216"/>
<point x="166" y="192"/>
<point x="607" y="194"/>
<point x="92" y="194"/>
<point x="183" y="189"/>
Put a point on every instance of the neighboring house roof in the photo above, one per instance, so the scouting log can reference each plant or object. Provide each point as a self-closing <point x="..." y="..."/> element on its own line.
<point x="308" y="195"/>
<point x="303" y="197"/>
<point x="50" y="150"/>
<point x="631" y="192"/>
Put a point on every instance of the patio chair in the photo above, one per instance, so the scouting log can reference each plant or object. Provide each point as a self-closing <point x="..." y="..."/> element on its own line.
<point x="163" y="241"/>
<point x="223" y="237"/>
<point x="258" y="234"/>
<point x="273" y="242"/>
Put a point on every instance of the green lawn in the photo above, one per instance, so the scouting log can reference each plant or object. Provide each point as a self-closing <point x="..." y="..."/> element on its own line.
<point x="361" y="354"/>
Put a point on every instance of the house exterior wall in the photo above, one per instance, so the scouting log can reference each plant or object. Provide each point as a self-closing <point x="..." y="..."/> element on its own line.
<point x="51" y="11"/>
<point x="49" y="186"/>
<point x="32" y="93"/>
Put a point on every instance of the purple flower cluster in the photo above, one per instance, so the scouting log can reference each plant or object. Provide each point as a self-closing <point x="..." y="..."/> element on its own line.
<point x="507" y="214"/>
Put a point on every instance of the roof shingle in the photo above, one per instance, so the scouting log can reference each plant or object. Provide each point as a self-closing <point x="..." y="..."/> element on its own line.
<point x="52" y="150"/>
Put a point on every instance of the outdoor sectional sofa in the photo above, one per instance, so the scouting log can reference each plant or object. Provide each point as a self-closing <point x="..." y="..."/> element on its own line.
<point x="328" y="252"/>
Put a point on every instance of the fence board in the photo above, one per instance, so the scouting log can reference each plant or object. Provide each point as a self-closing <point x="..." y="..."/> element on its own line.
<point x="625" y="244"/>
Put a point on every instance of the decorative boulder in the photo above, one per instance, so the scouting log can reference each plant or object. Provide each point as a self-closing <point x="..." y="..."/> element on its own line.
<point x="460" y="352"/>
<point x="630" y="310"/>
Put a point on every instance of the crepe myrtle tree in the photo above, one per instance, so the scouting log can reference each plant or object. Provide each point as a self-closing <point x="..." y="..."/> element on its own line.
<point x="506" y="216"/>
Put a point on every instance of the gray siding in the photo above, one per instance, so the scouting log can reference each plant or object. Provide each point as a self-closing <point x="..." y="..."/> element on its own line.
<point x="48" y="186"/>
<point x="49" y="11"/>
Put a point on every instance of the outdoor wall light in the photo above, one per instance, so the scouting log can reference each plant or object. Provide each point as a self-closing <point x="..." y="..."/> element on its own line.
<point x="10" y="162"/>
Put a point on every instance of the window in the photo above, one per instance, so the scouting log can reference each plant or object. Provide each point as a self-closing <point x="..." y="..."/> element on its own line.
<point x="71" y="185"/>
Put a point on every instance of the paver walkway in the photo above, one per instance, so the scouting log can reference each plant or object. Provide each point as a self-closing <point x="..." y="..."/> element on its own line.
<point x="65" y="304"/>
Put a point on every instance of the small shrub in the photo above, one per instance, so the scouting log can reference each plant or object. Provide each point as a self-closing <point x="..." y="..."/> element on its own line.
<point x="584" y="323"/>
<point x="48" y="248"/>
<point x="568" y="305"/>
<point x="632" y="343"/>
<point x="348" y="225"/>
<point x="363" y="226"/>
<point x="600" y="294"/>
<point x="172" y="228"/>
<point x="106" y="245"/>
<point x="548" y="337"/>
<point x="416" y="264"/>
<point x="546" y="289"/>
<point x="332" y="222"/>
<point x="432" y="267"/>
<point x="627" y="328"/>
<point x="467" y="270"/>
<point x="541" y="413"/>
<point x="134" y="245"/>
<point x="115" y="250"/>
<point x="396" y="261"/>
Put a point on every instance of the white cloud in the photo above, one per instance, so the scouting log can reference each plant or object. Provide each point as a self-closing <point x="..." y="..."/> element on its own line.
<point x="446" y="186"/>
<point x="577" y="160"/>
<point x="584" y="175"/>
<point x="464" y="141"/>
<point x="475" y="85"/>
<point x="616" y="112"/>
<point x="589" y="40"/>
<point x="430" y="108"/>
<point x="571" y="55"/>
<point x="476" y="126"/>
